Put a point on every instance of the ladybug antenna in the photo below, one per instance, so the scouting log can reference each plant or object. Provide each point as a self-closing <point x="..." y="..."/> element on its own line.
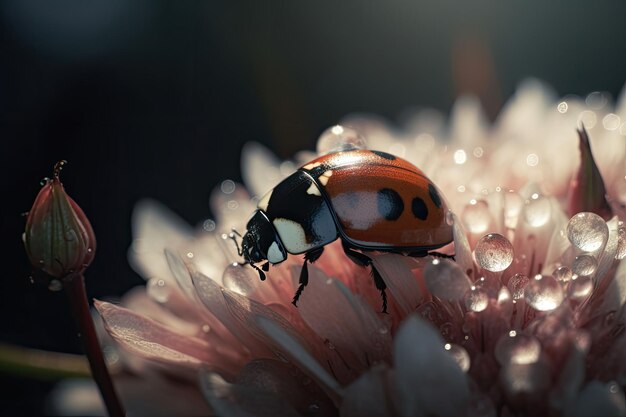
<point x="232" y="235"/>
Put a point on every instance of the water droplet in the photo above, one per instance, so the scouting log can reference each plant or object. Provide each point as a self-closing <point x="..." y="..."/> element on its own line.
<point x="55" y="285"/>
<point x="543" y="293"/>
<point x="89" y="250"/>
<point x="190" y="255"/>
<point x="206" y="328"/>
<point x="228" y="186"/>
<point x="476" y="216"/>
<point x="587" y="231"/>
<point x="158" y="290"/>
<point x="450" y="218"/>
<point x="562" y="107"/>
<point x="339" y="138"/>
<point x="383" y="330"/>
<point x="621" y="243"/>
<point x="516" y="285"/>
<point x="459" y="354"/>
<point x="208" y="225"/>
<point x="239" y="279"/>
<point x="537" y="211"/>
<point x="494" y="252"/>
<point x="476" y="299"/>
<point x="562" y="274"/>
<point x="584" y="265"/>
<point x="596" y="100"/>
<point x="446" y="280"/>
<point x="517" y="348"/>
<point x="232" y="205"/>
<point x="580" y="287"/>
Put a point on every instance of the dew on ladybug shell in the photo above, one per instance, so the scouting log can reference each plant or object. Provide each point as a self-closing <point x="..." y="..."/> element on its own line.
<point x="239" y="279"/>
<point x="339" y="138"/>
<point x="543" y="293"/>
<point x="516" y="285"/>
<point x="460" y="355"/>
<point x="476" y="299"/>
<point x="517" y="348"/>
<point x="494" y="252"/>
<point x="562" y="274"/>
<point x="584" y="265"/>
<point x="580" y="287"/>
<point x="587" y="231"/>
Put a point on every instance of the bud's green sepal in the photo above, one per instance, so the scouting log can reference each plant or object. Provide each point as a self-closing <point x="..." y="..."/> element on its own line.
<point x="59" y="239"/>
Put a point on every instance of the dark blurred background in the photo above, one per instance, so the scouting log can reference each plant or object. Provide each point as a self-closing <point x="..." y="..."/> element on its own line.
<point x="156" y="99"/>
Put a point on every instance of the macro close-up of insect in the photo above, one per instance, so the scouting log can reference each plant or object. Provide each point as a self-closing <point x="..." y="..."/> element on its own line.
<point x="371" y="200"/>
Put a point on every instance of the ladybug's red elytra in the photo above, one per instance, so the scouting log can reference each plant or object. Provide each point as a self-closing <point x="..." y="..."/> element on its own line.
<point x="371" y="200"/>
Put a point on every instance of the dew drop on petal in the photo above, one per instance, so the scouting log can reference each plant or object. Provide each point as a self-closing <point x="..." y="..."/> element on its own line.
<point x="517" y="348"/>
<point x="476" y="216"/>
<point x="516" y="285"/>
<point x="621" y="243"/>
<point x="476" y="299"/>
<point x="562" y="274"/>
<point x="459" y="354"/>
<point x="339" y="138"/>
<point x="445" y="279"/>
<point x="239" y="279"/>
<point x="580" y="287"/>
<point x="208" y="225"/>
<point x="228" y="186"/>
<point x="158" y="290"/>
<point x="584" y="265"/>
<point x="587" y="231"/>
<point x="537" y="211"/>
<point x="55" y="285"/>
<point x="494" y="252"/>
<point x="543" y="293"/>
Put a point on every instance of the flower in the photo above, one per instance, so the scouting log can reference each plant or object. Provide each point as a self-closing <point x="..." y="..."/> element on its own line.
<point x="59" y="239"/>
<point x="528" y="319"/>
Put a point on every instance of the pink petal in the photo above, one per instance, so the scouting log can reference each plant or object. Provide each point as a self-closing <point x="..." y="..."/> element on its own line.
<point x="299" y="355"/>
<point x="345" y="321"/>
<point x="446" y="280"/>
<point x="235" y="400"/>
<point x="400" y="281"/>
<point x="427" y="379"/>
<point x="151" y="340"/>
<point x="463" y="253"/>
<point x="259" y="168"/>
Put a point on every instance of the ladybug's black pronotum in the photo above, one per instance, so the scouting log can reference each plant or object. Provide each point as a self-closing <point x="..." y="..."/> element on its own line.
<point x="371" y="200"/>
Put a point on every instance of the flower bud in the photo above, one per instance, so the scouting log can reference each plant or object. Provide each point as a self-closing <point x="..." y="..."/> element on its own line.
<point x="58" y="238"/>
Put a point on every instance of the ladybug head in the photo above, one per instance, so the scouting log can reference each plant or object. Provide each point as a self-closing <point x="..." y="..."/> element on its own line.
<point x="261" y="242"/>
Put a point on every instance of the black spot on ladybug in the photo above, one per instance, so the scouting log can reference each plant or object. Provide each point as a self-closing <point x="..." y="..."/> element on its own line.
<point x="419" y="208"/>
<point x="384" y="155"/>
<point x="390" y="204"/>
<point x="434" y="195"/>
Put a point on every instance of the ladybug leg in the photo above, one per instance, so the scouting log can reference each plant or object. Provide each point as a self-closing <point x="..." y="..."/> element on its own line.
<point x="364" y="260"/>
<point x="309" y="257"/>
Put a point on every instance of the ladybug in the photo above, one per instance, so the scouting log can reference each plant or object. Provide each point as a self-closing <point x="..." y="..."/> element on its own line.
<point x="371" y="200"/>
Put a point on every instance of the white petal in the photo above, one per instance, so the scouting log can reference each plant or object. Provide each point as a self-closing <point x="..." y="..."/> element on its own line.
<point x="427" y="379"/>
<point x="259" y="168"/>
<point x="598" y="399"/>
<point x="446" y="280"/>
<point x="367" y="396"/>
<point x="155" y="228"/>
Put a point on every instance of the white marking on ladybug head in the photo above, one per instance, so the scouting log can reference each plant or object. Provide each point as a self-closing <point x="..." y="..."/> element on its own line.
<point x="310" y="166"/>
<point x="325" y="176"/>
<point x="274" y="254"/>
<point x="314" y="190"/>
<point x="292" y="235"/>
<point x="265" y="200"/>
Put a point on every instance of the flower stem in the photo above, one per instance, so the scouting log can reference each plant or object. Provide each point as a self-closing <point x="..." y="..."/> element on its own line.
<point x="75" y="289"/>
